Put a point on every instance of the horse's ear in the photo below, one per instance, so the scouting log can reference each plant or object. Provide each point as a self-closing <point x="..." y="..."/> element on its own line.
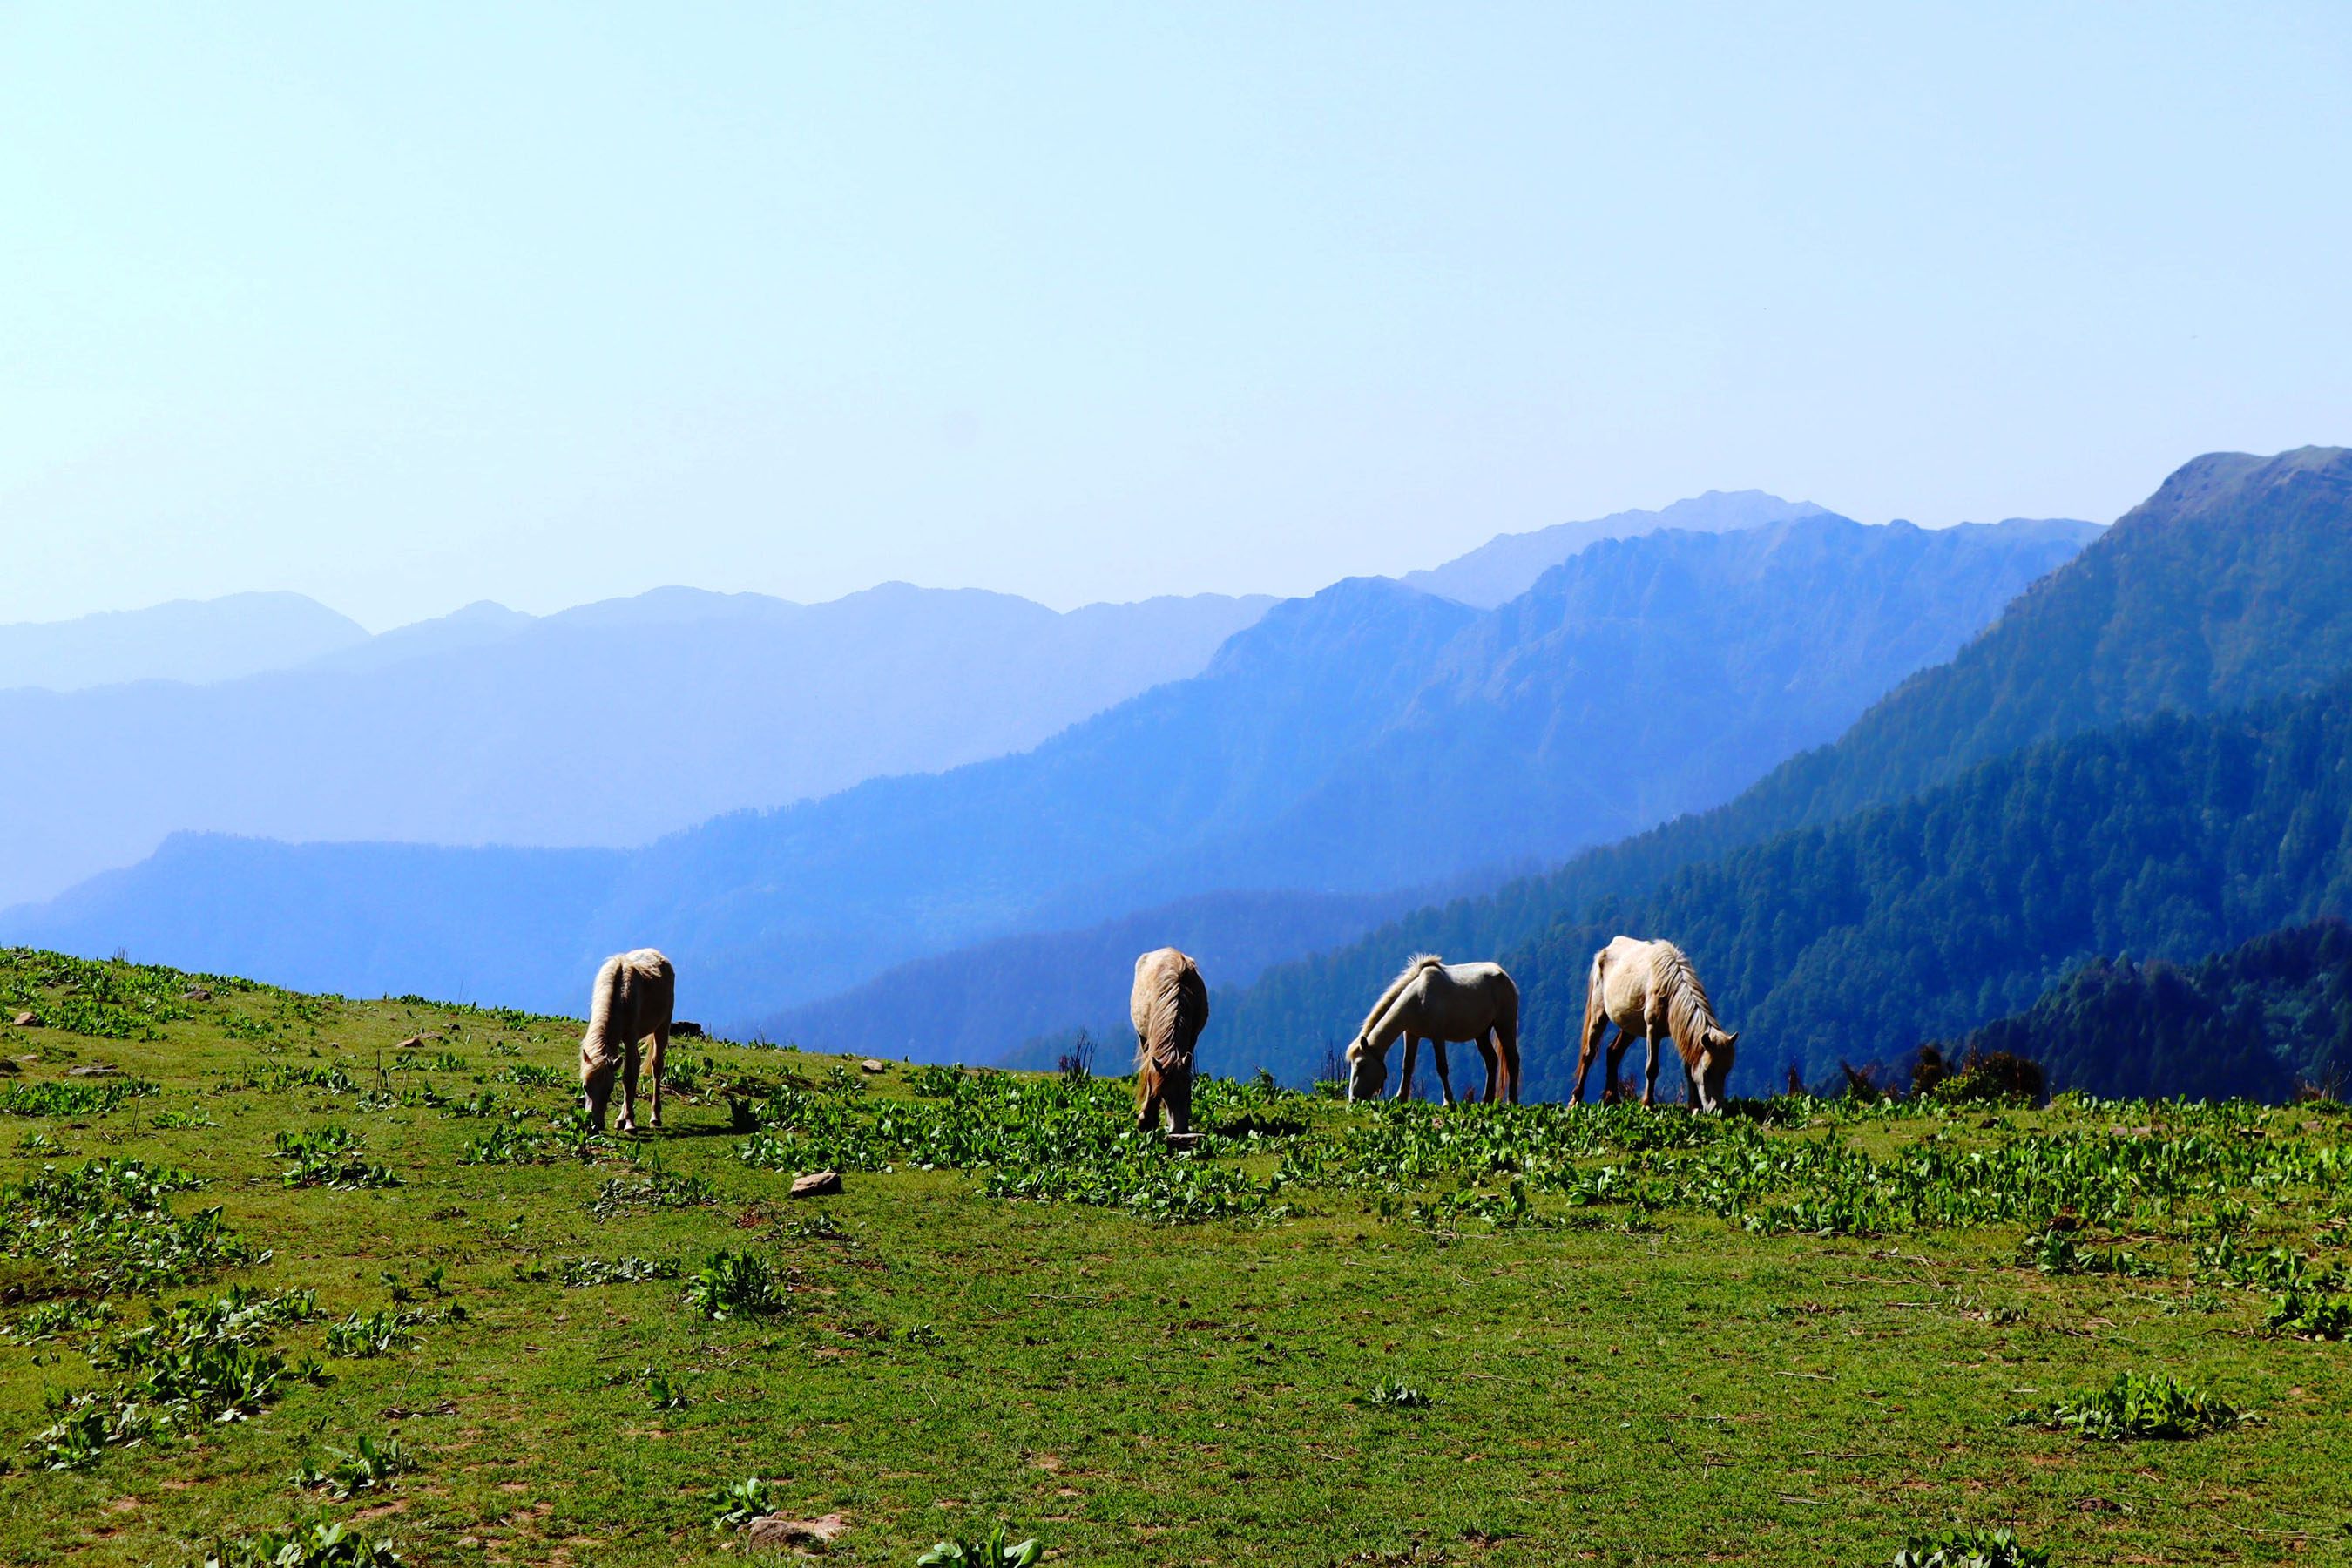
<point x="1730" y="1039"/>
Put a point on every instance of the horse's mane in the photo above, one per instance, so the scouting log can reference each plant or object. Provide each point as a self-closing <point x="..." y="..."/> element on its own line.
<point x="1412" y="966"/>
<point x="1689" y="1014"/>
<point x="1178" y="1012"/>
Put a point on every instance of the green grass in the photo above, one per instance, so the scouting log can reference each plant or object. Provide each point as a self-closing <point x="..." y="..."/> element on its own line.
<point x="1539" y="1336"/>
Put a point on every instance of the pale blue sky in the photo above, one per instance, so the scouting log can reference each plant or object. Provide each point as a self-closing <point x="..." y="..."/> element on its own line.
<point x="409" y="306"/>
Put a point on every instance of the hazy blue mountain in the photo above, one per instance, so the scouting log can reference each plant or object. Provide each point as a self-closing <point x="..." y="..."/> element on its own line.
<point x="609" y="725"/>
<point x="2230" y="583"/>
<point x="1509" y="564"/>
<point x="187" y="640"/>
<point x="1642" y="679"/>
<point x="1367" y="738"/>
<point x="478" y="624"/>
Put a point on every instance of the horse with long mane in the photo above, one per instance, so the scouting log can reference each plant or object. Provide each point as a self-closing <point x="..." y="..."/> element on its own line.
<point x="1436" y="1001"/>
<point x="634" y="996"/>
<point x="1649" y="990"/>
<point x="1168" y="1008"/>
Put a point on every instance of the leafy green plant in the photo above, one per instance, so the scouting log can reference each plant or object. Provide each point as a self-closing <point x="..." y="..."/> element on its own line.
<point x="618" y="1271"/>
<point x="323" y="1545"/>
<point x="2309" y="1315"/>
<point x="664" y="1393"/>
<point x="735" y="1285"/>
<point x="369" y="1467"/>
<point x="1970" y="1548"/>
<point x="1395" y="1394"/>
<point x="386" y="1332"/>
<point x="741" y="1503"/>
<point x="331" y="1156"/>
<point x="52" y="1320"/>
<point x="989" y="1552"/>
<point x="77" y="1097"/>
<point x="2136" y="1405"/>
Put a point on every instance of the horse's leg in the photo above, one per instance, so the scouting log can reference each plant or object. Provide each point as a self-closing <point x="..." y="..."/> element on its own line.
<point x="1411" y="1061"/>
<point x="661" y="1048"/>
<point x="1147" y="1097"/>
<point x="1615" y="1063"/>
<point x="630" y="1061"/>
<point x="1180" y="1101"/>
<point x="1650" y="1071"/>
<point x="1444" y="1078"/>
<point x="1507" y="1047"/>
<point x="1598" y="1027"/>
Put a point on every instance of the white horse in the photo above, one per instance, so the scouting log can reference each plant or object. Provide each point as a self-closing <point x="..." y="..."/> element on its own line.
<point x="634" y="996"/>
<point x="1649" y="990"/>
<point x="1435" y="1001"/>
<point x="1168" y="1008"/>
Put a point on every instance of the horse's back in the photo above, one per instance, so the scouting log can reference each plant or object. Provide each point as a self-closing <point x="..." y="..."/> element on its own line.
<point x="1170" y="996"/>
<point x="1626" y="971"/>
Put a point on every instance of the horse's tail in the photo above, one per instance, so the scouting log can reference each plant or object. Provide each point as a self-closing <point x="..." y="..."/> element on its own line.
<point x="1596" y="1015"/>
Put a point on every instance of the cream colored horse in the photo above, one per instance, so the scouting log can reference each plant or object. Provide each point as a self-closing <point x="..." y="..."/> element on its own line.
<point x="1649" y="990"/>
<point x="634" y="996"/>
<point x="1169" y="1006"/>
<point x="1436" y="1001"/>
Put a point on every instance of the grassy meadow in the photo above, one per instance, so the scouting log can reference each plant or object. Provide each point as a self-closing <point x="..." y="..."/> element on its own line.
<point x="433" y="1308"/>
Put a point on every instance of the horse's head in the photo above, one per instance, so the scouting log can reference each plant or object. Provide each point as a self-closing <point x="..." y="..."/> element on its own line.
<point x="1714" y="1071"/>
<point x="1368" y="1072"/>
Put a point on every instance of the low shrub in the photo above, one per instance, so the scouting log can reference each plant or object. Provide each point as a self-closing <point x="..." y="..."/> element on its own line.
<point x="2136" y="1405"/>
<point x="1970" y="1548"/>
<point x="323" y="1545"/>
<point x="735" y="1285"/>
<point x="989" y="1552"/>
<point x="369" y="1467"/>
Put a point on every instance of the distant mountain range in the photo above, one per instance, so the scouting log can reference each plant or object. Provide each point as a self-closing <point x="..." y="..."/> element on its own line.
<point x="1370" y="739"/>
<point x="608" y="724"/>
<point x="1985" y="827"/>
<point x="187" y="640"/>
<point x="1507" y="565"/>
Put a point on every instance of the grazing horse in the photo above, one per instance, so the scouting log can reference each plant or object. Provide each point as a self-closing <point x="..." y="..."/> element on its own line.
<point x="634" y="993"/>
<point x="1649" y="990"/>
<point x="1168" y="1008"/>
<point x="1436" y="1001"/>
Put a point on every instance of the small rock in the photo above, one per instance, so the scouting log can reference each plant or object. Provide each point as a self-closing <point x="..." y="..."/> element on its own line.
<point x="93" y="1070"/>
<point x="27" y="1021"/>
<point x="817" y="1184"/>
<point x="775" y="1529"/>
<point x="410" y="1044"/>
<point x="872" y="1064"/>
<point x="196" y="994"/>
<point x="1182" y="1141"/>
<point x="8" y="1068"/>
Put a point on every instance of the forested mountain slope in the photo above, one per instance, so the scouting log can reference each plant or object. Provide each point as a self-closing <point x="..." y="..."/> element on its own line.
<point x="2251" y="1023"/>
<point x="2234" y="581"/>
<point x="2170" y="838"/>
